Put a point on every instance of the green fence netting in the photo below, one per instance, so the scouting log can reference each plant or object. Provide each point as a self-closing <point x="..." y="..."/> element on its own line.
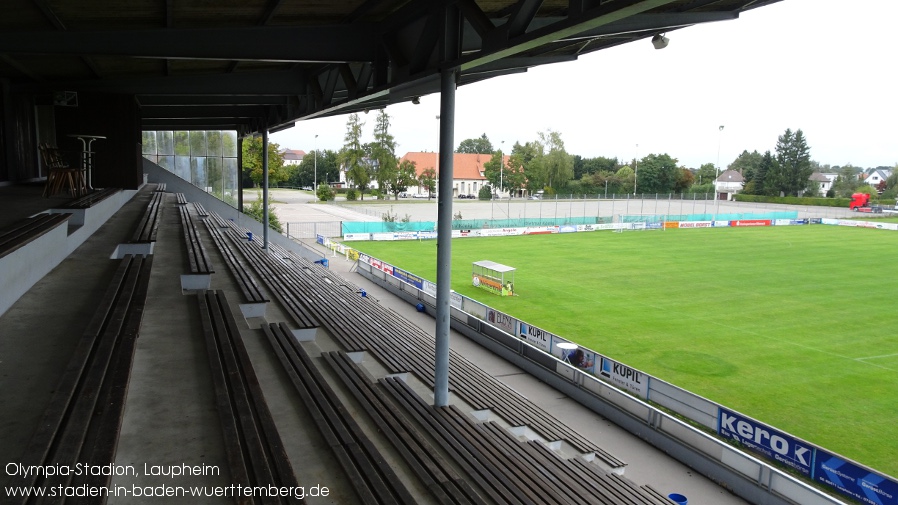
<point x="657" y="218"/>
<point x="466" y="224"/>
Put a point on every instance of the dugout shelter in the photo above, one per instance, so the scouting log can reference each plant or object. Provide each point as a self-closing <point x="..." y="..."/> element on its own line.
<point x="493" y="277"/>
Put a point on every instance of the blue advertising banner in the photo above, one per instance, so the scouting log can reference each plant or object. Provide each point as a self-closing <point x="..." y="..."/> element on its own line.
<point x="408" y="277"/>
<point x="765" y="440"/>
<point x="854" y="481"/>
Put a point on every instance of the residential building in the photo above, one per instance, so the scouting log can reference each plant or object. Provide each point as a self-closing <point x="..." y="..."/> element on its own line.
<point x="825" y="181"/>
<point x="293" y="156"/>
<point x="877" y="176"/>
<point x="728" y="184"/>
<point x="467" y="171"/>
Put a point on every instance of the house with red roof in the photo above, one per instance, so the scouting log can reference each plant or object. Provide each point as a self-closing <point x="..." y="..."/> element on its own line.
<point x="293" y="156"/>
<point x="467" y="171"/>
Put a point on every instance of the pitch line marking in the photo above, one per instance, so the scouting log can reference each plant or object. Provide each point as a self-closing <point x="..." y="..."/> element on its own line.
<point x="877" y="357"/>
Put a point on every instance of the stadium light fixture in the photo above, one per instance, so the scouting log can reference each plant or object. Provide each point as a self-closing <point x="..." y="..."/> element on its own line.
<point x="660" y="41"/>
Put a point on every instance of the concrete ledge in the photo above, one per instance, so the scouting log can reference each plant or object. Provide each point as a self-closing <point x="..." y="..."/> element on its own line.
<point x="22" y="268"/>
<point x="194" y="282"/>
<point x="305" y="334"/>
<point x="253" y="309"/>
<point x="140" y="248"/>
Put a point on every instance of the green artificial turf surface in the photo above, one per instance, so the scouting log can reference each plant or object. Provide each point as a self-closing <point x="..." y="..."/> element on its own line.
<point x="794" y="326"/>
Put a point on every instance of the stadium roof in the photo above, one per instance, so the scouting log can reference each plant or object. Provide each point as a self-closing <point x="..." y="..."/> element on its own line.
<point x="252" y="65"/>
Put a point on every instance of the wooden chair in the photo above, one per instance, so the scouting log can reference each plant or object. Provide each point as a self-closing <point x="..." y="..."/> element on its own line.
<point x="61" y="175"/>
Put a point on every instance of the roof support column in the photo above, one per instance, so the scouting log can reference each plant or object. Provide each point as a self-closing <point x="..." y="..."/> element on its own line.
<point x="444" y="235"/>
<point x="265" y="189"/>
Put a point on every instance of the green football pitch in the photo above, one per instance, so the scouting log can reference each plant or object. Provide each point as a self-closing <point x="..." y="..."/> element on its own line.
<point x="794" y="326"/>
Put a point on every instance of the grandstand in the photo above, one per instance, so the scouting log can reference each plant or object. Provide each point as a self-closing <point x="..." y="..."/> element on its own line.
<point x="314" y="401"/>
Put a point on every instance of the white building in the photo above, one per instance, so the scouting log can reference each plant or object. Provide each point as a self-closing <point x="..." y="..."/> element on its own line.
<point x="293" y="156"/>
<point x="728" y="184"/>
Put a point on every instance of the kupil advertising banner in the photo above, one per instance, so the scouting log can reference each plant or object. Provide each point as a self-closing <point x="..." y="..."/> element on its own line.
<point x="624" y="377"/>
<point x="536" y="336"/>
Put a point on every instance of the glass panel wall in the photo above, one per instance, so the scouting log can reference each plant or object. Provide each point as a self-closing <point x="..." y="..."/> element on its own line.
<point x="208" y="159"/>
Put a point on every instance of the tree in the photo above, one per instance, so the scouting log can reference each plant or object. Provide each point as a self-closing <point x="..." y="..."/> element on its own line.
<point x="794" y="160"/>
<point x="304" y="174"/>
<point x="480" y="145"/>
<point x="685" y="179"/>
<point x="769" y="177"/>
<point x="558" y="165"/>
<point x="706" y="174"/>
<point x="658" y="173"/>
<point x="428" y="180"/>
<point x="352" y="156"/>
<point x="747" y="164"/>
<point x="529" y="157"/>
<point x="325" y="192"/>
<point x="494" y="169"/>
<point x="383" y="153"/>
<point x="624" y="177"/>
<point x="252" y="162"/>
<point x="847" y="180"/>
<point x="255" y="211"/>
<point x="405" y="177"/>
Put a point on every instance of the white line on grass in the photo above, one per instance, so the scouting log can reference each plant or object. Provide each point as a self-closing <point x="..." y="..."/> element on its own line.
<point x="877" y="357"/>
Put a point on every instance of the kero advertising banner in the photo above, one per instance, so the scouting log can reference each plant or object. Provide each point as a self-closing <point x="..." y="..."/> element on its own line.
<point x="765" y="440"/>
<point x="502" y="321"/>
<point x="854" y="481"/>
<point x="624" y="377"/>
<point x="535" y="336"/>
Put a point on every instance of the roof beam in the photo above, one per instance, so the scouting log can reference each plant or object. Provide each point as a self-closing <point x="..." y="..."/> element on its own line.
<point x="203" y="111"/>
<point x="176" y="100"/>
<point x="286" y="82"/>
<point x="499" y="47"/>
<point x="265" y="43"/>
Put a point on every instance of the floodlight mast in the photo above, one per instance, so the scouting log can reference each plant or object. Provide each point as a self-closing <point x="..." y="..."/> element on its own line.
<point x="717" y="172"/>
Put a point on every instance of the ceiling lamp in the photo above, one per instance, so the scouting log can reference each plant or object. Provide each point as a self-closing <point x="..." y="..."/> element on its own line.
<point x="660" y="41"/>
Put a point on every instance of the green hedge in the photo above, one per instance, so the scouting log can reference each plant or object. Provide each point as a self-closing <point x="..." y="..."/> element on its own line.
<point x="795" y="200"/>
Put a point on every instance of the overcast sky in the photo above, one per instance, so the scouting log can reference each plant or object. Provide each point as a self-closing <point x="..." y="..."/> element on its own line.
<point x="824" y="66"/>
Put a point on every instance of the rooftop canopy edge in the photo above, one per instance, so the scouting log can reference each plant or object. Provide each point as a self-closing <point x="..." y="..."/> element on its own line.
<point x="282" y="62"/>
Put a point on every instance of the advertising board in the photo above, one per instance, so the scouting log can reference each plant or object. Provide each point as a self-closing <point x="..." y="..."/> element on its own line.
<point x="750" y="222"/>
<point x="430" y="288"/>
<point x="695" y="224"/>
<point x="579" y="357"/>
<point x="767" y="441"/>
<point x="502" y="321"/>
<point x="597" y="227"/>
<point x="408" y="277"/>
<point x="355" y="237"/>
<point x="536" y="336"/>
<point x="854" y="481"/>
<point x="624" y="377"/>
<point x="455" y="300"/>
